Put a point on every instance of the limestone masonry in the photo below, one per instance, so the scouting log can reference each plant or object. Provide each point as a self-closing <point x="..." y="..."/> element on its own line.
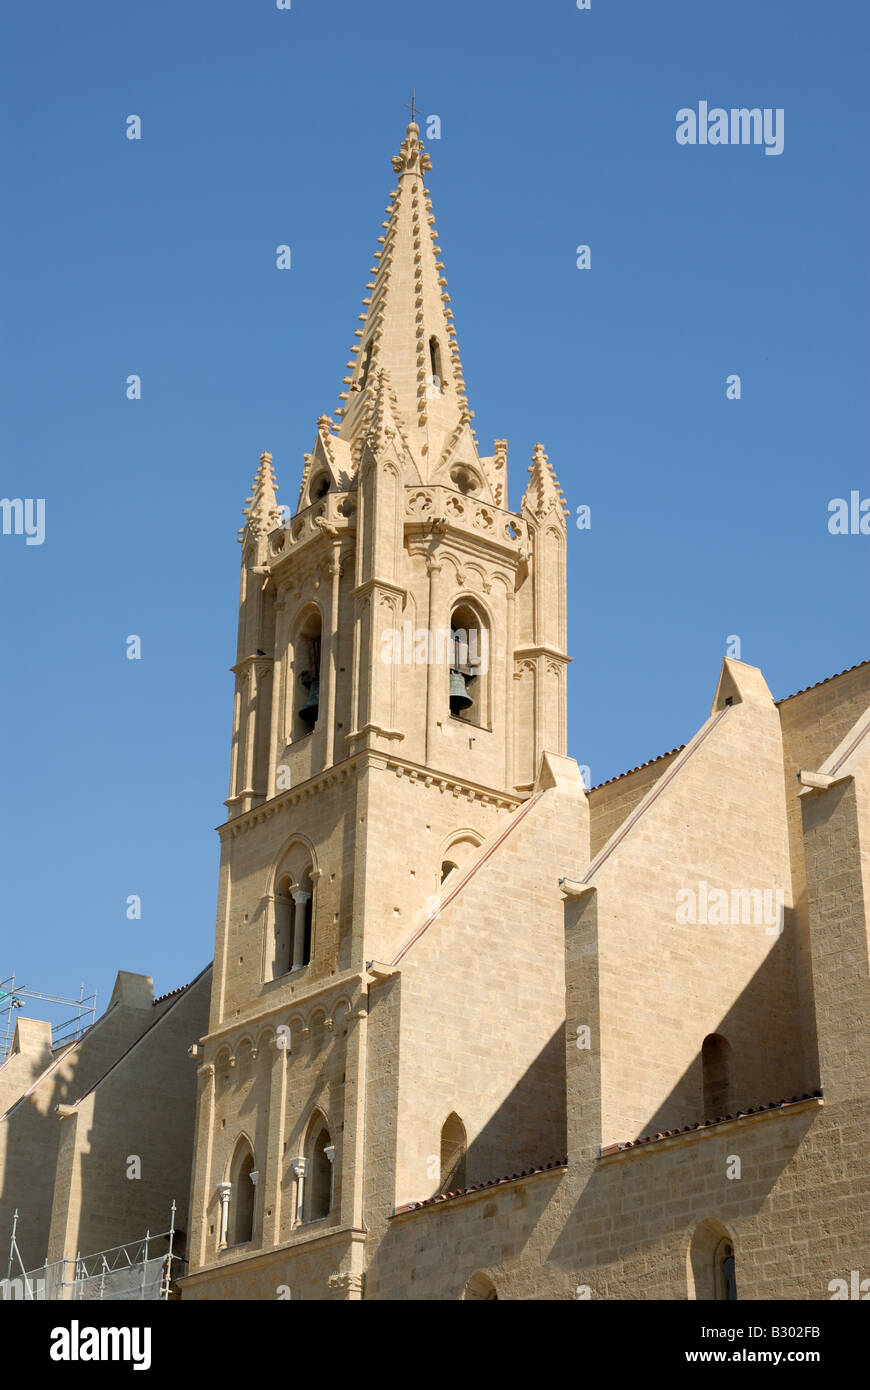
<point x="473" y="1030"/>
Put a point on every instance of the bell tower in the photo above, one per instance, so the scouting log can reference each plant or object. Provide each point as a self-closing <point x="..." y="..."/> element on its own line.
<point x="400" y="674"/>
<point x="403" y="607"/>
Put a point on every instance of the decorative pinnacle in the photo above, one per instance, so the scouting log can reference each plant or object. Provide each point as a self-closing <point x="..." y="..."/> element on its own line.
<point x="412" y="157"/>
<point x="543" y="493"/>
<point x="261" y="510"/>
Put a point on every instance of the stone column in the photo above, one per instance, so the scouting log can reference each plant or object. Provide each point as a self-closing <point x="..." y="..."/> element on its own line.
<point x="298" y="1167"/>
<point x="330" y="1154"/>
<point x="301" y="898"/>
<point x="225" y="1192"/>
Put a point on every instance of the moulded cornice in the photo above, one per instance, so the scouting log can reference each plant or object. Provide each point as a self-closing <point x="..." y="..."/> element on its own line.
<point x="339" y="986"/>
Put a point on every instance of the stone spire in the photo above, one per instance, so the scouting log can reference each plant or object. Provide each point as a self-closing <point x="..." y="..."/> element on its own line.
<point x="261" y="511"/>
<point x="407" y="330"/>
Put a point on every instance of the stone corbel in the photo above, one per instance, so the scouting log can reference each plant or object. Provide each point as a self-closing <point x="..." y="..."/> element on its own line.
<point x="575" y="888"/>
<point x="377" y="970"/>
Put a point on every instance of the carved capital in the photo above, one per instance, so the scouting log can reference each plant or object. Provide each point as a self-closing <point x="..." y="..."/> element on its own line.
<point x="347" y="1283"/>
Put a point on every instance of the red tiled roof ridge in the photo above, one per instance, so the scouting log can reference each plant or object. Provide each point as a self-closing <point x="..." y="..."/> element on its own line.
<point x="816" y="684"/>
<point x="649" y="762"/>
<point x="169" y="993"/>
<point x="738" y="1114"/>
<point x="482" y="1186"/>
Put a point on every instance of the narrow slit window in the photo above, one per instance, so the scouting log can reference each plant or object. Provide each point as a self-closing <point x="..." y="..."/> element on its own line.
<point x="435" y="365"/>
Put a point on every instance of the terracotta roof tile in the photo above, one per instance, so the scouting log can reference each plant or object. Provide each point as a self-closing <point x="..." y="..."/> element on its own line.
<point x="630" y="770"/>
<point x="836" y="676"/>
<point x="160" y="997"/>
<point x="708" y="1124"/>
<point x="440" y="1198"/>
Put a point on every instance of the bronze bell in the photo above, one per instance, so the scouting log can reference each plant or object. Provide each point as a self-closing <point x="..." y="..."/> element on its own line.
<point x="308" y="711"/>
<point x="459" y="696"/>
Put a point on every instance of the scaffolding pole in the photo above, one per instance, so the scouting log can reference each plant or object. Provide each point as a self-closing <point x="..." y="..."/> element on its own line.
<point x="113" y="1273"/>
<point x="14" y="997"/>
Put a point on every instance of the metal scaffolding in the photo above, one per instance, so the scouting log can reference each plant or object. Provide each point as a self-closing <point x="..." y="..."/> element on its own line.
<point x="142" y="1271"/>
<point x="65" y="1030"/>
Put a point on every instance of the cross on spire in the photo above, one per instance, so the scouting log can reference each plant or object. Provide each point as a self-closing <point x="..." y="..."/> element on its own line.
<point x="412" y="104"/>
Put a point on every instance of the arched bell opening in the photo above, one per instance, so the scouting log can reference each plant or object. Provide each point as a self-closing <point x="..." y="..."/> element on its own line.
<point x="306" y="665"/>
<point x="469" y="665"/>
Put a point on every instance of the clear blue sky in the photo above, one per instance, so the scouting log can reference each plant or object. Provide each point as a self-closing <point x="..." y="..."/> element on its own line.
<point x="157" y="257"/>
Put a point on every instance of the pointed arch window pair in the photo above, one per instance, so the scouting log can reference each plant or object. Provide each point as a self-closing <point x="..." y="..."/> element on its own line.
<point x="314" y="1170"/>
<point x="237" y="1197"/>
<point x="294" y="915"/>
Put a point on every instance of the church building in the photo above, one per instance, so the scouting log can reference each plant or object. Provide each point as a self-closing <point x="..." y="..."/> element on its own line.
<point x="477" y="1031"/>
